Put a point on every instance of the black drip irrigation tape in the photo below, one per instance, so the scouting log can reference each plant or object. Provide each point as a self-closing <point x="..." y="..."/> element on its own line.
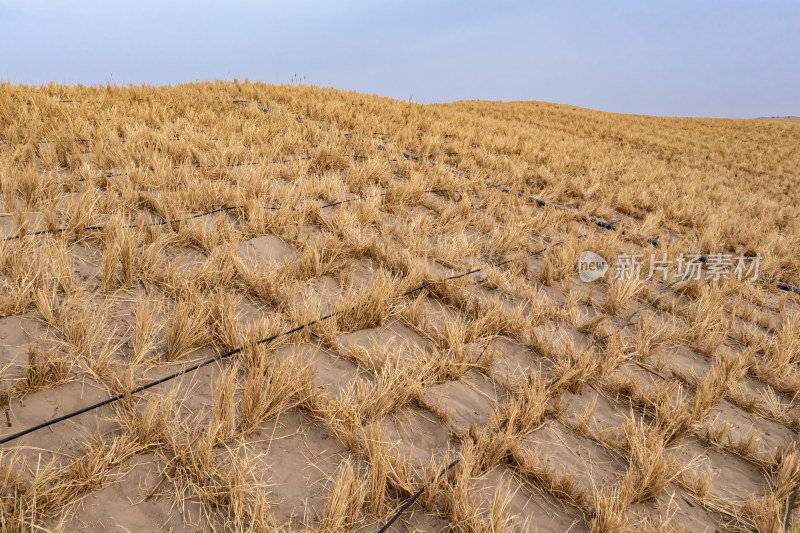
<point x="301" y="119"/>
<point x="68" y="141"/>
<point x="207" y="213"/>
<point x="542" y="203"/>
<point x="447" y="468"/>
<point x="611" y="226"/>
<point x="789" y="510"/>
<point x="110" y="174"/>
<point x="252" y="163"/>
<point x="587" y="218"/>
<point x="538" y="201"/>
<point x="227" y="354"/>
<point x="415" y="496"/>
<point x="146" y="386"/>
<point x="160" y="223"/>
<point x="57" y="141"/>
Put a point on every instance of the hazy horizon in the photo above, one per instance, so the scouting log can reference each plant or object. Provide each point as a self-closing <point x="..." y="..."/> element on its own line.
<point x="715" y="59"/>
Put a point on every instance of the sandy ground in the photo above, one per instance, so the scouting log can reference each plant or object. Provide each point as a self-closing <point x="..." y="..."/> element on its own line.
<point x="296" y="457"/>
<point x="559" y="476"/>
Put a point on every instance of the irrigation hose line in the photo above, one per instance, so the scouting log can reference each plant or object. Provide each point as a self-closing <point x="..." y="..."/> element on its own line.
<point x="408" y="155"/>
<point x="587" y="218"/>
<point x="170" y="377"/>
<point x="541" y="203"/>
<point x="207" y="213"/>
<point x="227" y="354"/>
<point x="447" y="468"/>
<point x="240" y="349"/>
<point x="160" y="223"/>
<point x="164" y="222"/>
<point x="111" y="174"/>
<point x="219" y="357"/>
<point x="789" y="510"/>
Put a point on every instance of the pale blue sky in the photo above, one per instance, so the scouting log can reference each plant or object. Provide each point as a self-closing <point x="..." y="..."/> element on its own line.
<point x="715" y="58"/>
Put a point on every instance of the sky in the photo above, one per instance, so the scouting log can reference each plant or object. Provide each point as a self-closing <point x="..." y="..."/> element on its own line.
<point x="687" y="58"/>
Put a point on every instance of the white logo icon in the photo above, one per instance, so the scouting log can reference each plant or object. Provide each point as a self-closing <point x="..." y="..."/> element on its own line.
<point x="591" y="266"/>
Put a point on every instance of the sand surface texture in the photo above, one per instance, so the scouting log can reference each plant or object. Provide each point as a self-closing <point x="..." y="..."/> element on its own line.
<point x="443" y="319"/>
